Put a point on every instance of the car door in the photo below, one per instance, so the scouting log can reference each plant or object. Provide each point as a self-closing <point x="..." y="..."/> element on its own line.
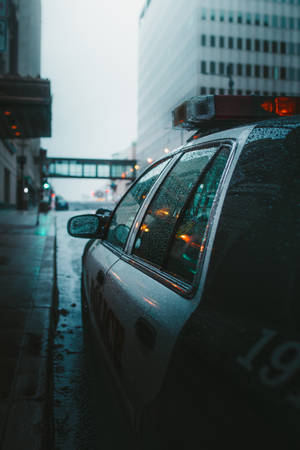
<point x="150" y="289"/>
<point x="103" y="254"/>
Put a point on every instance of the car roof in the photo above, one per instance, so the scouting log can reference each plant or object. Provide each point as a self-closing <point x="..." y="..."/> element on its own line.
<point x="237" y="133"/>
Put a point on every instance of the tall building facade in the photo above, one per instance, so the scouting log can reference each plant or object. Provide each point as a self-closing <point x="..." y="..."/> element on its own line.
<point x="25" y="102"/>
<point x="195" y="47"/>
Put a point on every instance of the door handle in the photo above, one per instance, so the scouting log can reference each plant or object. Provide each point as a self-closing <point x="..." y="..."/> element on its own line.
<point x="145" y="332"/>
<point x="100" y="277"/>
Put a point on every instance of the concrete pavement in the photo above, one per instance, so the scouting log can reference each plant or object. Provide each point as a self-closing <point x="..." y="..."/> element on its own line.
<point x="27" y="319"/>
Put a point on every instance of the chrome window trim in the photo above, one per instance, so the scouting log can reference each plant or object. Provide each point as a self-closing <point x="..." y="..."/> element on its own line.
<point x="237" y="149"/>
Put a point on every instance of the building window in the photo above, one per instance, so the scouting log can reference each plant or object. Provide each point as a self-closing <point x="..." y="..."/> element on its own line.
<point x="221" y="68"/>
<point x="257" y="71"/>
<point x="203" y="90"/>
<point x="257" y="19"/>
<point x="274" y="47"/>
<point x="248" y="92"/>
<point x="265" y="93"/>
<point x="298" y="23"/>
<point x="203" y="14"/>
<point x="292" y="74"/>
<point x="229" y="69"/>
<point x="230" y="16"/>
<point x="240" y="17"/>
<point x="239" y="69"/>
<point x="221" y="91"/>
<point x="222" y="15"/>
<point x="266" y="72"/>
<point x="203" y="40"/>
<point x="257" y="45"/>
<point x="239" y="92"/>
<point x="283" y="73"/>
<point x="230" y="42"/>
<point x="240" y="43"/>
<point x="298" y="49"/>
<point x="248" y="70"/>
<point x="266" y="20"/>
<point x="256" y="92"/>
<point x="298" y="75"/>
<point x="275" y="21"/>
<point x="266" y="46"/>
<point x="248" y="44"/>
<point x="212" y="15"/>
<point x="212" y="41"/>
<point x="282" y="48"/>
<point x="212" y="67"/>
<point x="248" y="18"/>
<point x="203" y="66"/>
<point x="212" y="90"/>
<point x="283" y="22"/>
<point x="291" y="48"/>
<point x="275" y="73"/>
<point x="291" y="23"/>
<point x="222" y="41"/>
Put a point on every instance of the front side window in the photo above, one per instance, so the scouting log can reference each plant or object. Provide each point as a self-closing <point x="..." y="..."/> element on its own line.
<point x="126" y="211"/>
<point x="159" y="222"/>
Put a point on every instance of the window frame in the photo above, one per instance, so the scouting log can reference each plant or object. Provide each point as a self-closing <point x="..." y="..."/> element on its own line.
<point x="185" y="289"/>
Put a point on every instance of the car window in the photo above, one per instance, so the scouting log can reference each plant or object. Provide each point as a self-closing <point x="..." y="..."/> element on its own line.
<point x="190" y="233"/>
<point x="159" y="222"/>
<point x="126" y="211"/>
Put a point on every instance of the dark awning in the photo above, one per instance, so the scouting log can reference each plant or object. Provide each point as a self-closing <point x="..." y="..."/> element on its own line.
<point x="25" y="107"/>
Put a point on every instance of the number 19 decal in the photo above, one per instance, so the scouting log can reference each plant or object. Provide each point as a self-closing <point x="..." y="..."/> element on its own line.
<point x="283" y="363"/>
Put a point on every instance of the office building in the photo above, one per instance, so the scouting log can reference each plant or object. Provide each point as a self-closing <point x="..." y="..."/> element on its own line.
<point x="195" y="47"/>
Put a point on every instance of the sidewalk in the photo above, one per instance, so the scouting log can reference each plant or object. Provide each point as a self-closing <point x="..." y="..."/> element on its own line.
<point x="27" y="285"/>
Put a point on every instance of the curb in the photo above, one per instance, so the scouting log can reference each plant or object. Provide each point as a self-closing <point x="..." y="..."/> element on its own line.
<point x="30" y="420"/>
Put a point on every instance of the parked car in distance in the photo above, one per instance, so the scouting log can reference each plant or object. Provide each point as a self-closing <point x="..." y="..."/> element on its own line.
<point x="61" y="203"/>
<point x="190" y="286"/>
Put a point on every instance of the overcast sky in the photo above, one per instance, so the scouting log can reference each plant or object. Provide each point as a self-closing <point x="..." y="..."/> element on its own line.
<point x="89" y="53"/>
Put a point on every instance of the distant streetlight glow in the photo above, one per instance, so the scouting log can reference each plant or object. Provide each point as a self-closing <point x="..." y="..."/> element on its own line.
<point x="166" y="150"/>
<point x="26" y="190"/>
<point x="149" y="160"/>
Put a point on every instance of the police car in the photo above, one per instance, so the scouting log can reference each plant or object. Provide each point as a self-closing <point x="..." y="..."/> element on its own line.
<point x="191" y="284"/>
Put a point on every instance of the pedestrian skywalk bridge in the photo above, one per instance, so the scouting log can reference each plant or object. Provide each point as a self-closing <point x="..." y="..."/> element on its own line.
<point x="115" y="169"/>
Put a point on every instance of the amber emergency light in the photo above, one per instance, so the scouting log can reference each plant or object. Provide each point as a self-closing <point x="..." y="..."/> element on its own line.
<point x="223" y="111"/>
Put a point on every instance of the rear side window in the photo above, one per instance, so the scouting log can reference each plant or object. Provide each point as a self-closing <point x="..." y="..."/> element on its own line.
<point x="159" y="223"/>
<point x="126" y="211"/>
<point x="190" y="233"/>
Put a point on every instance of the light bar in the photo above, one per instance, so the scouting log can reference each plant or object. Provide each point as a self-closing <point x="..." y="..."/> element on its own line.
<point x="239" y="108"/>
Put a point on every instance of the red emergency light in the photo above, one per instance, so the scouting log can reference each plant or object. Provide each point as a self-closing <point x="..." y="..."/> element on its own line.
<point x="210" y="110"/>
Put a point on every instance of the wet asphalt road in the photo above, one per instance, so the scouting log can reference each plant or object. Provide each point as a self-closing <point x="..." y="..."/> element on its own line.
<point x="87" y="416"/>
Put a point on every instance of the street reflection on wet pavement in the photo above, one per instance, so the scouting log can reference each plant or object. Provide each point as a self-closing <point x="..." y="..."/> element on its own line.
<point x="86" y="413"/>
